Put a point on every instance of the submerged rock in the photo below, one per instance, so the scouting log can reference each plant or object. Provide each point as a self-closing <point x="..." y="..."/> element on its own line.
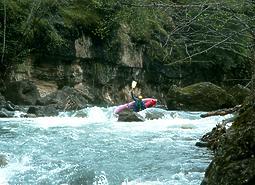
<point x="153" y="114"/>
<point x="129" y="116"/>
<point x="3" y="161"/>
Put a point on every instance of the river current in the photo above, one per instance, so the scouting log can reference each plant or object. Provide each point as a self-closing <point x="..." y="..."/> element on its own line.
<point x="90" y="147"/>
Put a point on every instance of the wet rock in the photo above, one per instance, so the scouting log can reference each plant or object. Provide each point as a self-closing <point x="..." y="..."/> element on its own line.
<point x="3" y="161"/>
<point x="202" y="144"/>
<point x="29" y="116"/>
<point x="129" y="116"/>
<point x="153" y="114"/>
<point x="203" y="96"/>
<point x="211" y="139"/>
<point x="22" y="93"/>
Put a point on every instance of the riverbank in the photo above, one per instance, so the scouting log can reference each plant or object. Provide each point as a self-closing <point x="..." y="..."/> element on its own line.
<point x="234" y="151"/>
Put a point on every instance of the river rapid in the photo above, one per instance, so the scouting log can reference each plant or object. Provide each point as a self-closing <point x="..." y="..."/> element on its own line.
<point x="90" y="147"/>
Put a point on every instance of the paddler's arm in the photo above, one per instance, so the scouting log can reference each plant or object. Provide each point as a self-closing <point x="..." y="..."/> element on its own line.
<point x="133" y="97"/>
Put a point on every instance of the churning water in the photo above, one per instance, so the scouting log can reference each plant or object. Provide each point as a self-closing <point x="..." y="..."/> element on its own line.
<point x="90" y="147"/>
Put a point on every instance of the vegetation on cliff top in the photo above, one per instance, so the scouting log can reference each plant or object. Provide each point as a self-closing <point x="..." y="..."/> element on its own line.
<point x="169" y="30"/>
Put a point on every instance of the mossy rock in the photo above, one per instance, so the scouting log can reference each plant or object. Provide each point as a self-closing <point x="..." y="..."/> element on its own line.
<point x="203" y="96"/>
<point x="239" y="92"/>
<point x="234" y="161"/>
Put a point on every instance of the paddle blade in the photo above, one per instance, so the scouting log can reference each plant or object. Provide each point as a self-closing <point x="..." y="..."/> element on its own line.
<point x="134" y="84"/>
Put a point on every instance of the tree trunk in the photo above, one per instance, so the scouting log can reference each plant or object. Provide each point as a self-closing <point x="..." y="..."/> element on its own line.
<point x="4" y="34"/>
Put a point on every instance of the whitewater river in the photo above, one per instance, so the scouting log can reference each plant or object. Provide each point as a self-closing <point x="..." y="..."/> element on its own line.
<point x="90" y="147"/>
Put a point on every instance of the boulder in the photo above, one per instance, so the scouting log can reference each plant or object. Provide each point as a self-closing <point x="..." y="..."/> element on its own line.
<point x="3" y="160"/>
<point x="66" y="99"/>
<point x="153" y="114"/>
<point x="129" y="116"/>
<point x="22" y="93"/>
<point x="203" y="96"/>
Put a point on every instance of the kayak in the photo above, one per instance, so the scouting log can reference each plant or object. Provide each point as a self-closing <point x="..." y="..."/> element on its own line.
<point x="148" y="102"/>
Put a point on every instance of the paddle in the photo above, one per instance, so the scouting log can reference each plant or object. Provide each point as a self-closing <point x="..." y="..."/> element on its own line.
<point x="134" y="84"/>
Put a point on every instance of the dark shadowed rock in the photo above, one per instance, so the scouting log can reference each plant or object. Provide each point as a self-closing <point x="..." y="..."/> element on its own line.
<point x="234" y="158"/>
<point x="203" y="96"/>
<point x="239" y="92"/>
<point x="129" y="116"/>
<point x="22" y="93"/>
<point x="42" y="111"/>
<point x="202" y="144"/>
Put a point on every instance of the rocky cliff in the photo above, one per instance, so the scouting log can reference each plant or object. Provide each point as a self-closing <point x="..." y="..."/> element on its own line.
<point x="103" y="71"/>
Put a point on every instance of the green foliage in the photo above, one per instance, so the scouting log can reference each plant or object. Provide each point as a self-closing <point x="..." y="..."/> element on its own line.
<point x="169" y="31"/>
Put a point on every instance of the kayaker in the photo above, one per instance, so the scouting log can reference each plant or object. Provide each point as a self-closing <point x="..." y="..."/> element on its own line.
<point x="139" y="104"/>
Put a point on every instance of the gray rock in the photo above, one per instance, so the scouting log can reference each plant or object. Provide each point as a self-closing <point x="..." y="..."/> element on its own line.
<point x="153" y="114"/>
<point x="129" y="116"/>
<point x="29" y="116"/>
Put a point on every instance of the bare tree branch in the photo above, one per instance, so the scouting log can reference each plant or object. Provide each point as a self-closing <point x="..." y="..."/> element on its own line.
<point x="162" y="5"/>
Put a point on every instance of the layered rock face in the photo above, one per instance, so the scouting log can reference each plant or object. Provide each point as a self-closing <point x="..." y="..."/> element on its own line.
<point x="103" y="71"/>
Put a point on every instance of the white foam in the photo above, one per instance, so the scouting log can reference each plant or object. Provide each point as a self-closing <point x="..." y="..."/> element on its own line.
<point x="101" y="179"/>
<point x="140" y="182"/>
<point x="13" y="167"/>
